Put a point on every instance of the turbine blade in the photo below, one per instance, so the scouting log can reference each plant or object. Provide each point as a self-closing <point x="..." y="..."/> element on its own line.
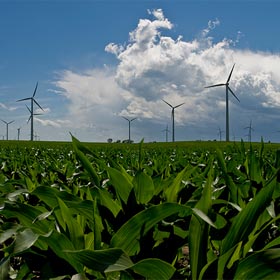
<point x="167" y="103"/>
<point x="29" y="119"/>
<point x="230" y="73"/>
<point x="179" y="105"/>
<point x="38" y="104"/>
<point x="10" y="122"/>
<point x="233" y="94"/>
<point x="35" y="90"/>
<point x="126" y="119"/>
<point x="4" y="121"/>
<point x="28" y="98"/>
<point x="28" y="109"/>
<point x="133" y="119"/>
<point x="217" y="85"/>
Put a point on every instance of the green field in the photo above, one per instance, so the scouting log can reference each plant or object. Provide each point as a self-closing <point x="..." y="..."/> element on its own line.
<point x="183" y="210"/>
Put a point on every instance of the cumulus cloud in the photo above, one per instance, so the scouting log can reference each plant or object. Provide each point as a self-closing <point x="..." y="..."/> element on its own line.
<point x="153" y="67"/>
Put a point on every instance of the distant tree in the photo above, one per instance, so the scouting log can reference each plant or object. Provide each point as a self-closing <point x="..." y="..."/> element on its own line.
<point x="127" y="141"/>
<point x="118" y="141"/>
<point x="109" y="140"/>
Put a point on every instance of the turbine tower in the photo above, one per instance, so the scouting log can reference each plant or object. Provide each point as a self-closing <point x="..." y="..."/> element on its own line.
<point x="32" y="114"/>
<point x="7" y="128"/>
<point x="250" y="128"/>
<point x="166" y="133"/>
<point x="220" y="133"/>
<point x="173" y="117"/>
<point x="18" y="132"/>
<point x="227" y="109"/>
<point x="129" y="121"/>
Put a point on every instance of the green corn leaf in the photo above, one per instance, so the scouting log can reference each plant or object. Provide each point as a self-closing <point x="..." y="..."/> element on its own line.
<point x="143" y="187"/>
<point x="9" y="231"/>
<point x="102" y="260"/>
<point x="59" y="243"/>
<point x="105" y="199"/>
<point x="223" y="261"/>
<point x="275" y="242"/>
<point x="115" y="259"/>
<point x="49" y="196"/>
<point x="5" y="268"/>
<point x="229" y="182"/>
<point x="80" y="276"/>
<point x="128" y="236"/>
<point x="27" y="214"/>
<point x="30" y="185"/>
<point x="121" y="183"/>
<point x="262" y="265"/>
<point x="172" y="191"/>
<point x="13" y="196"/>
<point x="77" y="145"/>
<point x="75" y="230"/>
<point x="255" y="173"/>
<point x="198" y="230"/>
<point x="154" y="269"/>
<point x="245" y="221"/>
<point x="140" y="155"/>
<point x="98" y="227"/>
<point x="24" y="240"/>
<point x="43" y="216"/>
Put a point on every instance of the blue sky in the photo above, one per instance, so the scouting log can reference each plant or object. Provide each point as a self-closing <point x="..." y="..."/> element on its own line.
<point x="97" y="61"/>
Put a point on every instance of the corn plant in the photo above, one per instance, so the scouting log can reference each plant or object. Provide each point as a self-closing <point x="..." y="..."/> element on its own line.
<point x="158" y="211"/>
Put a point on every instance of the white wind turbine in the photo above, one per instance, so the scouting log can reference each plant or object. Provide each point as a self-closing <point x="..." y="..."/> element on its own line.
<point x="129" y="121"/>
<point x="166" y="133"/>
<point x="173" y="117"/>
<point x="227" y="109"/>
<point x="7" y="128"/>
<point x="18" y="132"/>
<point x="250" y="128"/>
<point x="32" y="114"/>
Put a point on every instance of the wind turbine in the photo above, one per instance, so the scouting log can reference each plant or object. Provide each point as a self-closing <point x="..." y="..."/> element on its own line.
<point x="129" y="121"/>
<point x="32" y="114"/>
<point x="18" y="132"/>
<point x="173" y="117"/>
<point x="7" y="128"/>
<point x="220" y="133"/>
<point x="250" y="131"/>
<point x="227" y="109"/>
<point x="166" y="133"/>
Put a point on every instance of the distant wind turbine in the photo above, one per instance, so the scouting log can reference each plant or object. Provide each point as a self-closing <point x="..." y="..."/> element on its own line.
<point x="7" y="128"/>
<point x="250" y="128"/>
<point x="227" y="109"/>
<point x="32" y="114"/>
<point x="129" y="121"/>
<point x="18" y="132"/>
<point x="173" y="117"/>
<point x="220" y="133"/>
<point x="166" y="133"/>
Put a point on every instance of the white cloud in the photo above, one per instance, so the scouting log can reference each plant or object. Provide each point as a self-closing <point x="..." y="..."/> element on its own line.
<point x="9" y="108"/>
<point x="56" y="123"/>
<point x="153" y="67"/>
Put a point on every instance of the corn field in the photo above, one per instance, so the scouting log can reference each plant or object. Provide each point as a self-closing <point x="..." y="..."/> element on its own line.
<point x="143" y="211"/>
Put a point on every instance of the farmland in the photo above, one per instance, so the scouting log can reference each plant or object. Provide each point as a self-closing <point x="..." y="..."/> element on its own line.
<point x="197" y="210"/>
